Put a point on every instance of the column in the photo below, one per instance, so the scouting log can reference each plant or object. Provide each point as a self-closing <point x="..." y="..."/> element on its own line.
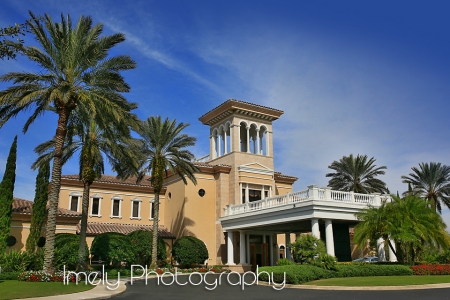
<point x="242" y="251"/>
<point x="231" y="138"/>
<point x="392" y="256"/>
<point x="380" y="249"/>
<point x="218" y="144"/>
<point x="287" y="248"/>
<point x="258" y="142"/>
<point x="240" y="193"/>
<point x="329" y="237"/>
<point x="225" y="142"/>
<point x="230" y="248"/>
<point x="315" y="228"/>
<point x="213" y="146"/>
<point x="248" y="139"/>
<point x="247" y="247"/>
<point x="247" y="196"/>
<point x="262" y="192"/>
<point x="270" y="191"/>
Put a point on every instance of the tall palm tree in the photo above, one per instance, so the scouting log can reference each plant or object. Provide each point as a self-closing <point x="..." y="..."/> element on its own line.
<point x="93" y="143"/>
<point x="357" y="174"/>
<point x="163" y="146"/>
<point x="431" y="182"/>
<point x="408" y="221"/>
<point x="74" y="72"/>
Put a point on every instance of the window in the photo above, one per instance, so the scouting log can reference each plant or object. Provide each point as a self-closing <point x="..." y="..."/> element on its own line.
<point x="136" y="208"/>
<point x="116" y="207"/>
<point x="201" y="192"/>
<point x="96" y="201"/>
<point x="282" y="251"/>
<point x="152" y="210"/>
<point x="74" y="203"/>
<point x="254" y="195"/>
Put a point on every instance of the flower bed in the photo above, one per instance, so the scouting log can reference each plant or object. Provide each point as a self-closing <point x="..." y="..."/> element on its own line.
<point x="41" y="276"/>
<point x="214" y="269"/>
<point x="431" y="269"/>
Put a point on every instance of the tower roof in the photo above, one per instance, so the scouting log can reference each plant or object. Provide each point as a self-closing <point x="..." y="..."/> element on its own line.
<point x="233" y="106"/>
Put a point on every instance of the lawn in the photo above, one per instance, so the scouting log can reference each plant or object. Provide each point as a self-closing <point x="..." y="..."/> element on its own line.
<point x="13" y="289"/>
<point x="382" y="280"/>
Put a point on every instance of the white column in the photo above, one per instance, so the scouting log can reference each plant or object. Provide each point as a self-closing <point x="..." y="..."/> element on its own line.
<point x="247" y="247"/>
<point x="270" y="191"/>
<point x="287" y="248"/>
<point x="267" y="144"/>
<point x="262" y="192"/>
<point x="213" y="146"/>
<point x="315" y="228"/>
<point x="225" y="142"/>
<point x="247" y="198"/>
<point x="258" y="142"/>
<point x="271" y="249"/>
<point x="240" y="193"/>
<point x="218" y="145"/>
<point x="380" y="249"/>
<point x="231" y="138"/>
<point x="248" y="139"/>
<point x="329" y="237"/>
<point x="392" y="256"/>
<point x="230" y="248"/>
<point x="242" y="248"/>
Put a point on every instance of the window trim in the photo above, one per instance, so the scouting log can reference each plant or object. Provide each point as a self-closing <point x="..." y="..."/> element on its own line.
<point x="151" y="201"/>
<point x="75" y="194"/>
<point x="139" y="209"/>
<point x="99" y="215"/>
<point x="111" y="216"/>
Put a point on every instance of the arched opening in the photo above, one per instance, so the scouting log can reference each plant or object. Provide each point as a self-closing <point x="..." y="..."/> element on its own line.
<point x="222" y="140"/>
<point x="215" y="144"/>
<point x="243" y="137"/>
<point x="263" y="140"/>
<point x="228" y="138"/>
<point x="253" y="139"/>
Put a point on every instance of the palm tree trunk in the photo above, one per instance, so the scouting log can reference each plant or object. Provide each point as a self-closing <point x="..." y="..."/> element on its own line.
<point x="155" y="230"/>
<point x="60" y="136"/>
<point x="83" y="227"/>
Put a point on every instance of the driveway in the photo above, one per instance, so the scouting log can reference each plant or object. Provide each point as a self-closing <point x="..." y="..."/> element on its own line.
<point x="151" y="290"/>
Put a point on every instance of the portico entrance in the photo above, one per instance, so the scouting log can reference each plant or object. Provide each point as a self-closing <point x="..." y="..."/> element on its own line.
<point x="259" y="252"/>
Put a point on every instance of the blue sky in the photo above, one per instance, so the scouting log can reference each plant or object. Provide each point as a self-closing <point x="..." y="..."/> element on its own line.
<point x="361" y="77"/>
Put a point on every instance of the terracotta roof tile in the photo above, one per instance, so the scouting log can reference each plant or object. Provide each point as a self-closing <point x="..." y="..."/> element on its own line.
<point x="22" y="206"/>
<point x="114" y="180"/>
<point x="95" y="228"/>
<point x="279" y="175"/>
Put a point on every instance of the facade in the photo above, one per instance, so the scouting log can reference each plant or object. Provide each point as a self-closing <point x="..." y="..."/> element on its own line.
<point x="244" y="211"/>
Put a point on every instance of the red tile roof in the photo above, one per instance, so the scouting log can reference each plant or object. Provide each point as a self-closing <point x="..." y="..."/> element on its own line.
<point x="22" y="206"/>
<point x="114" y="180"/>
<point x="95" y="228"/>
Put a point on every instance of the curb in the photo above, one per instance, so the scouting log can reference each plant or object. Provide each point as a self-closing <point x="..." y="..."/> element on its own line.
<point x="365" y="288"/>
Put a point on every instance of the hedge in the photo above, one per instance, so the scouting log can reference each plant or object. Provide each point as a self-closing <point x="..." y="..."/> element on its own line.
<point x="113" y="247"/>
<point x="188" y="250"/>
<point x="66" y="251"/>
<point x="296" y="274"/>
<point x="141" y="240"/>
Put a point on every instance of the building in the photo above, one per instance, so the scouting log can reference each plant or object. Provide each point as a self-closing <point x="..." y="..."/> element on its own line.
<point x="242" y="208"/>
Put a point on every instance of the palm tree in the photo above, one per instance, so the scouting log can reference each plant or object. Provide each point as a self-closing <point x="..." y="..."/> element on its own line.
<point x="92" y="142"/>
<point x="431" y="182"/>
<point x="163" y="146"/>
<point x="74" y="72"/>
<point x="408" y="221"/>
<point x="357" y="174"/>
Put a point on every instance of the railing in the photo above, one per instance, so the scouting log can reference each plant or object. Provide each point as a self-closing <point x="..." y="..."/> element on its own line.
<point x="202" y="159"/>
<point x="312" y="193"/>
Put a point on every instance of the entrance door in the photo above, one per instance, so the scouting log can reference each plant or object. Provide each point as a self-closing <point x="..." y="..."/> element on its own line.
<point x="259" y="255"/>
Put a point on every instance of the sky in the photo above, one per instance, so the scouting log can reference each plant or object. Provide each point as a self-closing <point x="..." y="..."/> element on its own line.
<point x="360" y="77"/>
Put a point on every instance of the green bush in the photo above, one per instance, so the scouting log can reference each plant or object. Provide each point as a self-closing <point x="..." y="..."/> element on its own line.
<point x="9" y="275"/>
<point x="296" y="274"/>
<point x="141" y="240"/>
<point x="113" y="248"/>
<point x="189" y="250"/>
<point x="66" y="251"/>
<point x="15" y="261"/>
<point x="308" y="249"/>
<point x="284" y="262"/>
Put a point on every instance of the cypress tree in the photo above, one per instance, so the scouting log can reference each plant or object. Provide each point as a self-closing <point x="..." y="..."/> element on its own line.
<point x="39" y="205"/>
<point x="6" y="195"/>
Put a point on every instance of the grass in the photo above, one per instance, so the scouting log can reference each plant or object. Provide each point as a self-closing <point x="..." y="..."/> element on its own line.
<point x="13" y="289"/>
<point x="382" y="280"/>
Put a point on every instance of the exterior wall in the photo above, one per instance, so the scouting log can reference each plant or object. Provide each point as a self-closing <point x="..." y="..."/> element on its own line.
<point x="282" y="188"/>
<point x="107" y="195"/>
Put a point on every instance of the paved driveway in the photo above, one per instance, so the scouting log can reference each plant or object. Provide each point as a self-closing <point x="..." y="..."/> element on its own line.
<point x="139" y="290"/>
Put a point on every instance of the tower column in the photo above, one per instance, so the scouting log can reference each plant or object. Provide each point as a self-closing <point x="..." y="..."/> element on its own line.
<point x="248" y="139"/>
<point x="219" y="144"/>
<point x="225" y="141"/>
<point x="258" y="142"/>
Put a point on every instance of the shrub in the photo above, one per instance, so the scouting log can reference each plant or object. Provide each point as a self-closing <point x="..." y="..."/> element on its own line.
<point x="189" y="250"/>
<point x="141" y="240"/>
<point x="303" y="273"/>
<point x="311" y="250"/>
<point x="284" y="262"/>
<point x="113" y="248"/>
<point x="15" y="261"/>
<point x="9" y="275"/>
<point x="431" y="269"/>
<point x="66" y="250"/>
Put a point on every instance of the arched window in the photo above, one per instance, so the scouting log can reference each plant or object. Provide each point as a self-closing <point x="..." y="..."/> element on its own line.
<point x="243" y="137"/>
<point x="263" y="140"/>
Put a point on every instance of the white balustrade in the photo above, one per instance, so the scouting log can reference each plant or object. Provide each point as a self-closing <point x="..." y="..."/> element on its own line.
<point x="312" y="193"/>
